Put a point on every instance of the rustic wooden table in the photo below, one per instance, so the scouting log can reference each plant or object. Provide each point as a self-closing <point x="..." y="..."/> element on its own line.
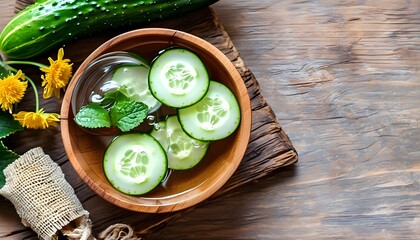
<point x="343" y="79"/>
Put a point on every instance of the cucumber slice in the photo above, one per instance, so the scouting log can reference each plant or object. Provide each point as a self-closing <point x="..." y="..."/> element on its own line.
<point x="159" y="132"/>
<point x="215" y="117"/>
<point x="183" y="151"/>
<point x="178" y="78"/>
<point x="135" y="80"/>
<point x="135" y="163"/>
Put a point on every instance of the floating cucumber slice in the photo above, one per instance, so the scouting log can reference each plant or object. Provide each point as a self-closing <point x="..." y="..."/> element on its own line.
<point x="135" y="163"/>
<point x="214" y="117"/>
<point x="183" y="151"/>
<point x="135" y="80"/>
<point x="178" y="78"/>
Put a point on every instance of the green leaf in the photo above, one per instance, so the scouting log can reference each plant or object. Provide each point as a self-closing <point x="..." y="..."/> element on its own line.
<point x="40" y="1"/>
<point x="8" y="125"/>
<point x="3" y="72"/>
<point x="117" y="95"/>
<point x="111" y="97"/>
<point x="128" y="114"/>
<point x="92" y="116"/>
<point x="6" y="157"/>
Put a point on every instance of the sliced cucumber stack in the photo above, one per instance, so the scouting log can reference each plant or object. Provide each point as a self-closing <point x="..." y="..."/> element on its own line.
<point x="206" y="111"/>
<point x="183" y="151"/>
<point x="135" y="163"/>
<point x="178" y="78"/>
<point x="214" y="117"/>
<point x="135" y="85"/>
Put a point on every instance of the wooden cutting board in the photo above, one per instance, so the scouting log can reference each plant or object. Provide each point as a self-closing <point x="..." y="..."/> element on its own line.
<point x="269" y="148"/>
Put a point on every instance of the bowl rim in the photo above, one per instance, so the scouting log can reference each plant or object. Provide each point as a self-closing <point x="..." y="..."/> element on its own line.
<point x="196" y="41"/>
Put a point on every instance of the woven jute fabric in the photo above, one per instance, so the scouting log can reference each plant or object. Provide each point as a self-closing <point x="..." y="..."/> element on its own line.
<point x="44" y="200"/>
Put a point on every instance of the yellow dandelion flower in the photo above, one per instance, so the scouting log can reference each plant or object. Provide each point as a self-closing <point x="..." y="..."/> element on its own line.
<point x="12" y="90"/>
<point x="37" y="120"/>
<point x="57" y="75"/>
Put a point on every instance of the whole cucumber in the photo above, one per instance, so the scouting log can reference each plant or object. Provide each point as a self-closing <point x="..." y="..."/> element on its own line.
<point x="50" y="23"/>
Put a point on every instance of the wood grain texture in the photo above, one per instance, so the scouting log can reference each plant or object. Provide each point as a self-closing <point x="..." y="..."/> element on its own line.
<point x="343" y="79"/>
<point x="269" y="148"/>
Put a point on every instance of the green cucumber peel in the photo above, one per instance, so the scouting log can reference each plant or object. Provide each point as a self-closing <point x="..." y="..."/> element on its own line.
<point x="49" y="24"/>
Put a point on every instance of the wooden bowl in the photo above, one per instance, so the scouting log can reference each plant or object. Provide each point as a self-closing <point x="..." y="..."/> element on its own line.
<point x="182" y="189"/>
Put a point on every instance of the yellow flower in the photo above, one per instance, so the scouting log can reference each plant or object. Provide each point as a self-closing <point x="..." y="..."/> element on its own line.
<point x="12" y="90"/>
<point x="57" y="75"/>
<point x="37" y="120"/>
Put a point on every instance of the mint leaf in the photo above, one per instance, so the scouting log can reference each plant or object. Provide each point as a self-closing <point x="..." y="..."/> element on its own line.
<point x="8" y="125"/>
<point x="115" y="109"/>
<point x="128" y="114"/>
<point x="6" y="157"/>
<point x="117" y="95"/>
<point x="92" y="116"/>
<point x="111" y="97"/>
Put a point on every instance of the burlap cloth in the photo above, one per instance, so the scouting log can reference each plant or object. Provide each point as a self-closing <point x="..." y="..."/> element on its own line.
<point x="47" y="203"/>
